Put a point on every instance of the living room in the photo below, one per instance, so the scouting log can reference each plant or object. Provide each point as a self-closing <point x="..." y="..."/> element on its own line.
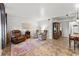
<point x="41" y="27"/>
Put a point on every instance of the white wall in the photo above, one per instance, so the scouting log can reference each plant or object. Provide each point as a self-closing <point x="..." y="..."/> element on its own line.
<point x="23" y="24"/>
<point x="48" y="26"/>
<point x="65" y="28"/>
<point x="16" y="23"/>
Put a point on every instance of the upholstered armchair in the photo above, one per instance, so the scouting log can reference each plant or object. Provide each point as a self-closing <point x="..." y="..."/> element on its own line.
<point x="27" y="34"/>
<point x="16" y="37"/>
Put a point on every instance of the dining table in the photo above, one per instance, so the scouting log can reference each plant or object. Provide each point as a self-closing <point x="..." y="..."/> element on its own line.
<point x="75" y="38"/>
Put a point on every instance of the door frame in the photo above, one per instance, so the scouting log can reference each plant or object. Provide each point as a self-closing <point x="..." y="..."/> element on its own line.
<point x="3" y="25"/>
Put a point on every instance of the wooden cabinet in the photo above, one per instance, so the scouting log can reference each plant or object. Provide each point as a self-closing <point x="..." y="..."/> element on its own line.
<point x="56" y="30"/>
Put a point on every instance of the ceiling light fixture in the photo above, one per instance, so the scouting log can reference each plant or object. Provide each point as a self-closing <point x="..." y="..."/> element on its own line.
<point x="42" y="12"/>
<point x="77" y="6"/>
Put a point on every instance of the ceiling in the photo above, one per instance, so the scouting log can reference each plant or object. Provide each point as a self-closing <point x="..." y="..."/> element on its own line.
<point x="39" y="11"/>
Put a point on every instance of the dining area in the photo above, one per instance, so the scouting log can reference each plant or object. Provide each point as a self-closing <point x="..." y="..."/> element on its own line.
<point x="75" y="39"/>
<point x="74" y="36"/>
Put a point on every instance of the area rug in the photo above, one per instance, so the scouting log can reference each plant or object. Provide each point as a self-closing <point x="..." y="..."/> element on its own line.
<point x="26" y="46"/>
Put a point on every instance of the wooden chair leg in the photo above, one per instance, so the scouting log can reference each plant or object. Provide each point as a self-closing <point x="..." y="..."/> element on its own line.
<point x="74" y="45"/>
<point x="69" y="44"/>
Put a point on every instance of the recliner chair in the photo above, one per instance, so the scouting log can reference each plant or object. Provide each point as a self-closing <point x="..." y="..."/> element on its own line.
<point x="16" y="37"/>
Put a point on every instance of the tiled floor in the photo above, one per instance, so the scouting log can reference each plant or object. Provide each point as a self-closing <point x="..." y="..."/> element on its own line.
<point x="50" y="47"/>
